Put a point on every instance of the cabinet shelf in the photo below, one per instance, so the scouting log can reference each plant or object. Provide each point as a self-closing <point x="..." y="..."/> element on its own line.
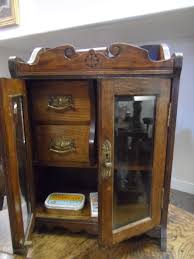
<point x="63" y="164"/>
<point x="75" y="221"/>
<point x="134" y="166"/>
<point x="80" y="215"/>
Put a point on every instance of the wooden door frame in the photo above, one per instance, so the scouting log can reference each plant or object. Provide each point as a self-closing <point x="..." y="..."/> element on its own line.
<point x="178" y="61"/>
<point x="137" y="86"/>
<point x="11" y="88"/>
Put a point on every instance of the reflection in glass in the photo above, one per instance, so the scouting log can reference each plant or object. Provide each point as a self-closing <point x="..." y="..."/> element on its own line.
<point x="134" y="135"/>
<point x="5" y="232"/>
<point x="17" y="108"/>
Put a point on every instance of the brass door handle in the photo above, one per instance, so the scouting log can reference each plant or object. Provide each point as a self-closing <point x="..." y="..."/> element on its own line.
<point x="106" y="168"/>
<point x="62" y="145"/>
<point x="61" y="103"/>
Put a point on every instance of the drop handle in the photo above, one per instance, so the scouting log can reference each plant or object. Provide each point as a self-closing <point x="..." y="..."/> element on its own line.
<point x="107" y="164"/>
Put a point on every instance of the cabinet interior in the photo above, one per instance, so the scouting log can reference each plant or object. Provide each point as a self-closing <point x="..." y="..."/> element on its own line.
<point x="58" y="175"/>
<point x="58" y="179"/>
<point x="82" y="177"/>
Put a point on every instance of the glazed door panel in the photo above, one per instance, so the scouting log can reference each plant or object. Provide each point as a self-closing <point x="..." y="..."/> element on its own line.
<point x="18" y="168"/>
<point x="133" y="128"/>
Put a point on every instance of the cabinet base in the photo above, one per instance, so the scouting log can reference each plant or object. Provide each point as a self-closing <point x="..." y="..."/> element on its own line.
<point x="73" y="226"/>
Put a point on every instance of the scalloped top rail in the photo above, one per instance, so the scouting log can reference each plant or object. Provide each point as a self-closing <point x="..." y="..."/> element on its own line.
<point x="118" y="59"/>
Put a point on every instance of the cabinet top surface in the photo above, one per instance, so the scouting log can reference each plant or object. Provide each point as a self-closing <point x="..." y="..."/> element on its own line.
<point x="120" y="59"/>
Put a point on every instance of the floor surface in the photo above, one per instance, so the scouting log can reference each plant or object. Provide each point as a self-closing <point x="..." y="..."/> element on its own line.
<point x="65" y="245"/>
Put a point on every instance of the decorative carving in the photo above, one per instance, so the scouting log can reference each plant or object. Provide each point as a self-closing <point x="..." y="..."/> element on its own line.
<point x="61" y="103"/>
<point x="119" y="58"/>
<point x="92" y="60"/>
<point x="62" y="145"/>
<point x="69" y="51"/>
<point x="114" y="50"/>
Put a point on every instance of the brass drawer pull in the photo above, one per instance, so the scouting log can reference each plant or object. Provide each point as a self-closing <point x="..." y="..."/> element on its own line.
<point x="61" y="103"/>
<point x="62" y="145"/>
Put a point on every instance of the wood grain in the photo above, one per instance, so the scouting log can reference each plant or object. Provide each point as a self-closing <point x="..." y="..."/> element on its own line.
<point x="119" y="58"/>
<point x="178" y="58"/>
<point x="10" y="88"/>
<point x="63" y="244"/>
<point x="75" y="221"/>
<point x="2" y="157"/>
<point x="106" y="132"/>
<point x="84" y="214"/>
<point x="41" y="90"/>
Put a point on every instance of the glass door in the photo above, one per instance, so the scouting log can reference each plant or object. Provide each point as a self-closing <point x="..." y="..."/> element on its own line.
<point x="17" y="161"/>
<point x="133" y="129"/>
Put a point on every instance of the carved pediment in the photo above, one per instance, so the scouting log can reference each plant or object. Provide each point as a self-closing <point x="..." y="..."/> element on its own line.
<point x="66" y="60"/>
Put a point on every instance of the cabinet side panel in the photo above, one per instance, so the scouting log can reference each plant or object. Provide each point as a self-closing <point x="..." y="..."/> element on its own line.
<point x="170" y="146"/>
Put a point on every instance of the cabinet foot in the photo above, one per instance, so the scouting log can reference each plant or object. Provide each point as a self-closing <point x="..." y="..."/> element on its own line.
<point x="1" y="202"/>
<point x="159" y="233"/>
<point x="163" y="239"/>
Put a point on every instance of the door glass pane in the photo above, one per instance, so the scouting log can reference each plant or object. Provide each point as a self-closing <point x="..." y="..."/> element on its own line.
<point x="17" y="108"/>
<point x="5" y="231"/>
<point x="133" y="136"/>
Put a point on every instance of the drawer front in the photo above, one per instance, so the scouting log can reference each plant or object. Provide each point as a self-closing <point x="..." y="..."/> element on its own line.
<point x="60" y="101"/>
<point x="62" y="143"/>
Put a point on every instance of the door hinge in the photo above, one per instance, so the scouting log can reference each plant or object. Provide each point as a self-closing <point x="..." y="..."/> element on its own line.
<point x="162" y="198"/>
<point x="169" y="114"/>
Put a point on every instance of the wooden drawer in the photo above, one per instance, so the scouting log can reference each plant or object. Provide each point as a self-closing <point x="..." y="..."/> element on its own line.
<point x="59" y="100"/>
<point x="62" y="143"/>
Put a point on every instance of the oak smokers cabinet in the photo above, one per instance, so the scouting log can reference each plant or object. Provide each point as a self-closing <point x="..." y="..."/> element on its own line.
<point x="86" y="121"/>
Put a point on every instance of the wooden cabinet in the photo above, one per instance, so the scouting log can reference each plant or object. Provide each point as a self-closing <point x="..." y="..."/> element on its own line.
<point x="100" y="120"/>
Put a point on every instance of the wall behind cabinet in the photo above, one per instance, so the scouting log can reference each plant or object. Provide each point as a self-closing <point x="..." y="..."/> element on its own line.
<point x="183" y="162"/>
<point x="5" y="53"/>
<point x="47" y="15"/>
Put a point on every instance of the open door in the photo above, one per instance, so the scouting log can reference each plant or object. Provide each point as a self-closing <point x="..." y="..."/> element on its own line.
<point x="15" y="139"/>
<point x="133" y="115"/>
